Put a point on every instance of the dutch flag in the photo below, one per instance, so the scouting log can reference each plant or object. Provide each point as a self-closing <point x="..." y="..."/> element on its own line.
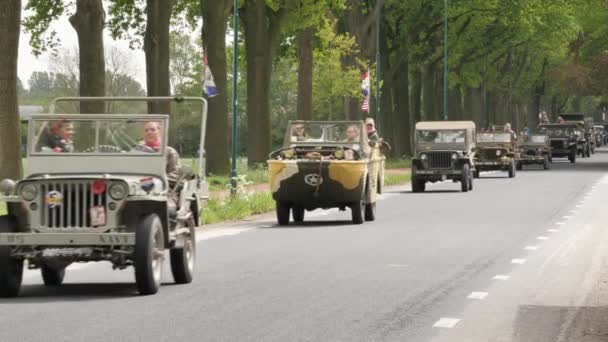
<point x="208" y="84"/>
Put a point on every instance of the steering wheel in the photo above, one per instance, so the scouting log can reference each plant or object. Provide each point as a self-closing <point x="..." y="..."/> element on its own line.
<point x="105" y="149"/>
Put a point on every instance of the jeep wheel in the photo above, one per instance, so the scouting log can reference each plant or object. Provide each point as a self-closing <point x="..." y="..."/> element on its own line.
<point x="283" y="210"/>
<point x="183" y="259"/>
<point x="519" y="166"/>
<point x="11" y="269"/>
<point x="470" y="183"/>
<point x="298" y="214"/>
<point x="52" y="276"/>
<point x="465" y="178"/>
<point x="358" y="212"/>
<point x="149" y="254"/>
<point x="572" y="157"/>
<point x="475" y="173"/>
<point x="370" y="211"/>
<point x="512" y="169"/>
<point x="546" y="164"/>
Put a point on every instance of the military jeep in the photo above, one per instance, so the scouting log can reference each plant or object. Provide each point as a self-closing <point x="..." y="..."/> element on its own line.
<point x="535" y="149"/>
<point x="565" y="139"/>
<point x="326" y="164"/>
<point x="443" y="152"/>
<point x="108" y="198"/>
<point x="496" y="150"/>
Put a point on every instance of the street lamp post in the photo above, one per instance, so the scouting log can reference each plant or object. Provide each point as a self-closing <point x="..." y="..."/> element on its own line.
<point x="378" y="69"/>
<point x="445" y="62"/>
<point x="485" y="82"/>
<point x="235" y="73"/>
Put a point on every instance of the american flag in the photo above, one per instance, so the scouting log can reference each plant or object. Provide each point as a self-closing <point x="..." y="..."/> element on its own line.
<point x="366" y="92"/>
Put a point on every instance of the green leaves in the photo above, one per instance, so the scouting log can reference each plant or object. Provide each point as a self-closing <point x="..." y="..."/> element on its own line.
<point x="43" y="13"/>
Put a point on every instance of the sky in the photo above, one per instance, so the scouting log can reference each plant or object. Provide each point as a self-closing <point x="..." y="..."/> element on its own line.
<point x="28" y="63"/>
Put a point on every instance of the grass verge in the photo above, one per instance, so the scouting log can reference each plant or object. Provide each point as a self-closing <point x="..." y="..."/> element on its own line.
<point x="400" y="163"/>
<point x="396" y="179"/>
<point x="238" y="207"/>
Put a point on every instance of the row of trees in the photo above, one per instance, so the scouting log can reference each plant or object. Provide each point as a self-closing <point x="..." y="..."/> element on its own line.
<point x="508" y="60"/>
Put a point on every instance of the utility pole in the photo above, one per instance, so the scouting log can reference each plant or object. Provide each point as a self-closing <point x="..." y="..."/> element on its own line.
<point x="235" y="83"/>
<point x="445" y="62"/>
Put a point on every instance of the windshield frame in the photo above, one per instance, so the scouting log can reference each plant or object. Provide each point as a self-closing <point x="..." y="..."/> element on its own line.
<point x="32" y="139"/>
<point x="288" y="143"/>
<point x="422" y="143"/>
<point x="507" y="134"/>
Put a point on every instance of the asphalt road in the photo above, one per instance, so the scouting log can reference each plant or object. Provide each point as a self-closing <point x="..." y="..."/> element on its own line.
<point x="523" y="259"/>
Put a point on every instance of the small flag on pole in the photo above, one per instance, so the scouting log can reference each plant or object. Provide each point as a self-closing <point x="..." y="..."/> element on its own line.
<point x="366" y="91"/>
<point x="208" y="84"/>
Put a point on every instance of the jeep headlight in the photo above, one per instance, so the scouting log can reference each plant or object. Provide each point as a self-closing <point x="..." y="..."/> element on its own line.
<point x="7" y="186"/>
<point x="455" y="156"/>
<point x="118" y="191"/>
<point x="339" y="154"/>
<point x="498" y="153"/>
<point x="423" y="156"/>
<point x="29" y="192"/>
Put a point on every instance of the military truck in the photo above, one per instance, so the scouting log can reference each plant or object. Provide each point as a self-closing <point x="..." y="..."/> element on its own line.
<point x="535" y="149"/>
<point x="104" y="195"/>
<point x="496" y="150"/>
<point x="565" y="139"/>
<point x="443" y="151"/>
<point x="326" y="164"/>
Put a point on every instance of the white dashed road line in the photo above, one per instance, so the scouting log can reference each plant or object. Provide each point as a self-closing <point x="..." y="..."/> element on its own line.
<point x="542" y="238"/>
<point x="518" y="261"/>
<point x="501" y="277"/>
<point x="553" y="230"/>
<point x="531" y="248"/>
<point x="477" y="295"/>
<point x="446" y="323"/>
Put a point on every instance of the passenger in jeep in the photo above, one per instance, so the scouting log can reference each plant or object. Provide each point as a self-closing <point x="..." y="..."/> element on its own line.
<point x="57" y="137"/>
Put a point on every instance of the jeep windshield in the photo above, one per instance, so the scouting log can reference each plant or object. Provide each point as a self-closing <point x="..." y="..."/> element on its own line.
<point x="493" y="137"/>
<point x="331" y="132"/>
<point x="558" y="132"/>
<point x="440" y="136"/>
<point x="101" y="136"/>
<point x="537" y="139"/>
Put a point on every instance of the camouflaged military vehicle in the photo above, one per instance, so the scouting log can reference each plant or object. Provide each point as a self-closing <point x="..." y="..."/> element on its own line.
<point x="535" y="149"/>
<point x="326" y="165"/>
<point x="104" y="195"/>
<point x="586" y="144"/>
<point x="443" y="151"/>
<point x="565" y="139"/>
<point x="496" y="150"/>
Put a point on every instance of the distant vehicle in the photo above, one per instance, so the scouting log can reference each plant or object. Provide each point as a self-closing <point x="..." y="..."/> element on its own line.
<point x="600" y="135"/>
<point x="495" y="150"/>
<point x="565" y="139"/>
<point x="443" y="151"/>
<point x="585" y="123"/>
<point x="326" y="164"/>
<point x="535" y="149"/>
<point x="105" y="196"/>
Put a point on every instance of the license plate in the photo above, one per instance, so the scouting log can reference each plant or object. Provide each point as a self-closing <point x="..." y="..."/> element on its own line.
<point x="98" y="216"/>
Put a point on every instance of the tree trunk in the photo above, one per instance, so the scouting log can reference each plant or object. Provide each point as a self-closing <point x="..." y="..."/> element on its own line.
<point x="217" y="135"/>
<point x="473" y="106"/>
<point x="89" y="21"/>
<point x="262" y="28"/>
<point x="438" y="96"/>
<point x="455" y="104"/>
<point x="305" y="65"/>
<point x="10" y="139"/>
<point x="156" y="48"/>
<point x="401" y="121"/>
<point x="415" y="95"/>
<point x="428" y="93"/>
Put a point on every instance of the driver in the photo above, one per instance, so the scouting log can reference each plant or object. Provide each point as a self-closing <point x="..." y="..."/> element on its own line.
<point x="57" y="137"/>
<point x="153" y="142"/>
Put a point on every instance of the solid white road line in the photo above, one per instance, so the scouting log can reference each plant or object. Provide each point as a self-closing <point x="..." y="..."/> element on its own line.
<point x="477" y="295"/>
<point x="446" y="323"/>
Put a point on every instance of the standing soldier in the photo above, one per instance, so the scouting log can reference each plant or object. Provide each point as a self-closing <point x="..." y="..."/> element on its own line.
<point x="372" y="133"/>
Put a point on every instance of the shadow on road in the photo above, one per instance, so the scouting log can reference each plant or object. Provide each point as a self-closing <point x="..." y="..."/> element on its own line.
<point x="561" y="323"/>
<point x="73" y="292"/>
<point x="314" y="223"/>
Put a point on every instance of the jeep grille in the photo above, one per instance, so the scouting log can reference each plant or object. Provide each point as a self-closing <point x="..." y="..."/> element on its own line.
<point x="78" y="199"/>
<point x="558" y="144"/>
<point x="440" y="160"/>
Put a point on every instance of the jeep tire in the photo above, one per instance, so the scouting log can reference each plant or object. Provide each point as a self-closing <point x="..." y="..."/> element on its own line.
<point x="370" y="211"/>
<point x="52" y="276"/>
<point x="283" y="210"/>
<point x="465" y="178"/>
<point x="11" y="269"/>
<point x="546" y="163"/>
<point x="357" y="212"/>
<point x="149" y="254"/>
<point x="511" y="169"/>
<point x="298" y="213"/>
<point x="572" y="156"/>
<point x="183" y="259"/>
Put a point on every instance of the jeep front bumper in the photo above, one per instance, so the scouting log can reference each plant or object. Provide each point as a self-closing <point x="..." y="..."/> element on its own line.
<point x="438" y="172"/>
<point x="67" y="239"/>
<point x="492" y="163"/>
